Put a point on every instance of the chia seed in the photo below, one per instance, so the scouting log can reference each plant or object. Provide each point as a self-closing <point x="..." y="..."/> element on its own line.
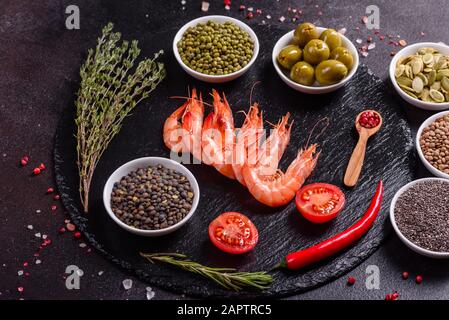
<point x="152" y="198"/>
<point x="422" y="215"/>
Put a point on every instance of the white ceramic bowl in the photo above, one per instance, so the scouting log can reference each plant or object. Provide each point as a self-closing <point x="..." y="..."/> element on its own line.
<point x="316" y="88"/>
<point x="409" y="50"/>
<point x="408" y="243"/>
<point x="426" y="163"/>
<point x="142" y="163"/>
<point x="211" y="78"/>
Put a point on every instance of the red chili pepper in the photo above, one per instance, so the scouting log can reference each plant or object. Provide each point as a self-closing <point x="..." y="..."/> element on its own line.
<point x="327" y="248"/>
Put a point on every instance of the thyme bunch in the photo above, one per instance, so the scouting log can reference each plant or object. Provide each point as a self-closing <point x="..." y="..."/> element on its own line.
<point x="111" y="86"/>
<point x="225" y="277"/>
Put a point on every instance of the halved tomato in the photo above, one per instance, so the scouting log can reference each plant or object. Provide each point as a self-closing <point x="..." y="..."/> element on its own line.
<point x="233" y="232"/>
<point x="320" y="202"/>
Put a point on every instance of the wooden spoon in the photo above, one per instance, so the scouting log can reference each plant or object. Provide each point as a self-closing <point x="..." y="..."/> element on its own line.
<point x="358" y="155"/>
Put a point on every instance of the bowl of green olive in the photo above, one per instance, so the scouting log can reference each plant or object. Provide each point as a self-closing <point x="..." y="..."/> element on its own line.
<point x="216" y="48"/>
<point x="315" y="60"/>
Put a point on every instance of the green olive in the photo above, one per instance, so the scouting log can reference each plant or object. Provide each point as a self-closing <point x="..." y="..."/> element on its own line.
<point x="332" y="38"/>
<point x="289" y="56"/>
<point x="343" y="55"/>
<point x="316" y="51"/>
<point x="303" y="73"/>
<point x="330" y="72"/>
<point x="304" y="33"/>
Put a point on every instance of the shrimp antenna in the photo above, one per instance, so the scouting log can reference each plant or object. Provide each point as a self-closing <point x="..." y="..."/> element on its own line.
<point x="251" y="93"/>
<point x="327" y="123"/>
<point x="189" y="98"/>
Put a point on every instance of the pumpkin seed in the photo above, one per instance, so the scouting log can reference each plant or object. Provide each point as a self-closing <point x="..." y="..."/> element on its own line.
<point x="423" y="78"/>
<point x="442" y="73"/>
<point x="425" y="95"/>
<point x="399" y="71"/>
<point x="437" y="96"/>
<point x="404" y="81"/>
<point x="417" y="65"/>
<point x="417" y="85"/>
<point x="445" y="83"/>
<point x="436" y="86"/>
<point x="432" y="77"/>
<point x="447" y="97"/>
<point x="427" y="58"/>
<point x="426" y="50"/>
<point x="411" y="94"/>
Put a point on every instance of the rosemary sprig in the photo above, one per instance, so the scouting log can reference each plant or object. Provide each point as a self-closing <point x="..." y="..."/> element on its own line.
<point x="111" y="86"/>
<point x="225" y="277"/>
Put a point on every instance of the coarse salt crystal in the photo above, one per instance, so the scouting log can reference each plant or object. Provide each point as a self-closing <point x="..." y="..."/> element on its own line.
<point x="82" y="245"/>
<point x="100" y="272"/>
<point x="127" y="284"/>
<point x="38" y="211"/>
<point x="20" y="273"/>
<point x="282" y="19"/>
<point x="342" y="31"/>
<point x="359" y="41"/>
<point x="250" y="9"/>
<point x="150" y="293"/>
<point x="38" y="261"/>
<point x="364" y="54"/>
<point x="183" y="2"/>
<point x="227" y="7"/>
<point x="44" y="236"/>
<point x="371" y="46"/>
<point x="38" y="235"/>
<point x="30" y="227"/>
<point x="268" y="16"/>
<point x="205" y="6"/>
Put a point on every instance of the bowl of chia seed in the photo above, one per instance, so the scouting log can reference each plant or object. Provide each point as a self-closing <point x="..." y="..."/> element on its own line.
<point x="151" y="196"/>
<point x="419" y="214"/>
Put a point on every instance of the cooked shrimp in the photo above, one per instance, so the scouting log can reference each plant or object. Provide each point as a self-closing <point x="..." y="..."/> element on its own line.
<point x="248" y="139"/>
<point x="192" y="123"/>
<point x="218" y="137"/>
<point x="173" y="133"/>
<point x="280" y="188"/>
<point x="273" y="148"/>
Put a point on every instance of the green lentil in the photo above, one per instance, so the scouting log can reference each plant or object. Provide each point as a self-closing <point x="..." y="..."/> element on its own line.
<point x="216" y="48"/>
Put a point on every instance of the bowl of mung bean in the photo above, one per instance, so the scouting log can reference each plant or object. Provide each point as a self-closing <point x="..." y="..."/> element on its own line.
<point x="151" y="196"/>
<point x="432" y="144"/>
<point x="215" y="49"/>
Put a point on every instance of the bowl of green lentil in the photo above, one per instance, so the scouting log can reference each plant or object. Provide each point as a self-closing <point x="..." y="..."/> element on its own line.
<point x="151" y="196"/>
<point x="216" y="49"/>
<point x="419" y="215"/>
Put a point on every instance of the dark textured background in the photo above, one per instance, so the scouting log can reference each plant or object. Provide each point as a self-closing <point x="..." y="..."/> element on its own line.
<point x="39" y="57"/>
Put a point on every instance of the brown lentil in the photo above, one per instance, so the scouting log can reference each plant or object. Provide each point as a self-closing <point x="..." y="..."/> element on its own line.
<point x="152" y="198"/>
<point x="434" y="144"/>
<point x="422" y="215"/>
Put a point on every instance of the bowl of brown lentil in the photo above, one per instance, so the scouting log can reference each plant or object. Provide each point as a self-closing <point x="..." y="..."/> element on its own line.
<point x="432" y="144"/>
<point x="151" y="196"/>
<point x="215" y="49"/>
<point x="419" y="213"/>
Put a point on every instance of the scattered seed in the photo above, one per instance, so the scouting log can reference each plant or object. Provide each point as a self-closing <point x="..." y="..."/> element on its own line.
<point x="402" y="42"/>
<point x="351" y="281"/>
<point x="70" y="226"/>
<point x="418" y="279"/>
<point x="205" y="6"/>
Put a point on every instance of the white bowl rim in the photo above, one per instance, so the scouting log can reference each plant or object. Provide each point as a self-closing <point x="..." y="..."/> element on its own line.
<point x="435" y="106"/>
<point x="409" y="243"/>
<point x="163" y="231"/>
<point x="316" y="88"/>
<point x="239" y="23"/>
<point x="425" y="124"/>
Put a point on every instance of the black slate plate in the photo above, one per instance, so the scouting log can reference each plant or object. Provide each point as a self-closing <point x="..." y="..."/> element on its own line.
<point x="282" y="230"/>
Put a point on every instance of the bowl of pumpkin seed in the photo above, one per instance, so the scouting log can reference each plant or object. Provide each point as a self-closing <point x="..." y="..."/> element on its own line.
<point x="420" y="75"/>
